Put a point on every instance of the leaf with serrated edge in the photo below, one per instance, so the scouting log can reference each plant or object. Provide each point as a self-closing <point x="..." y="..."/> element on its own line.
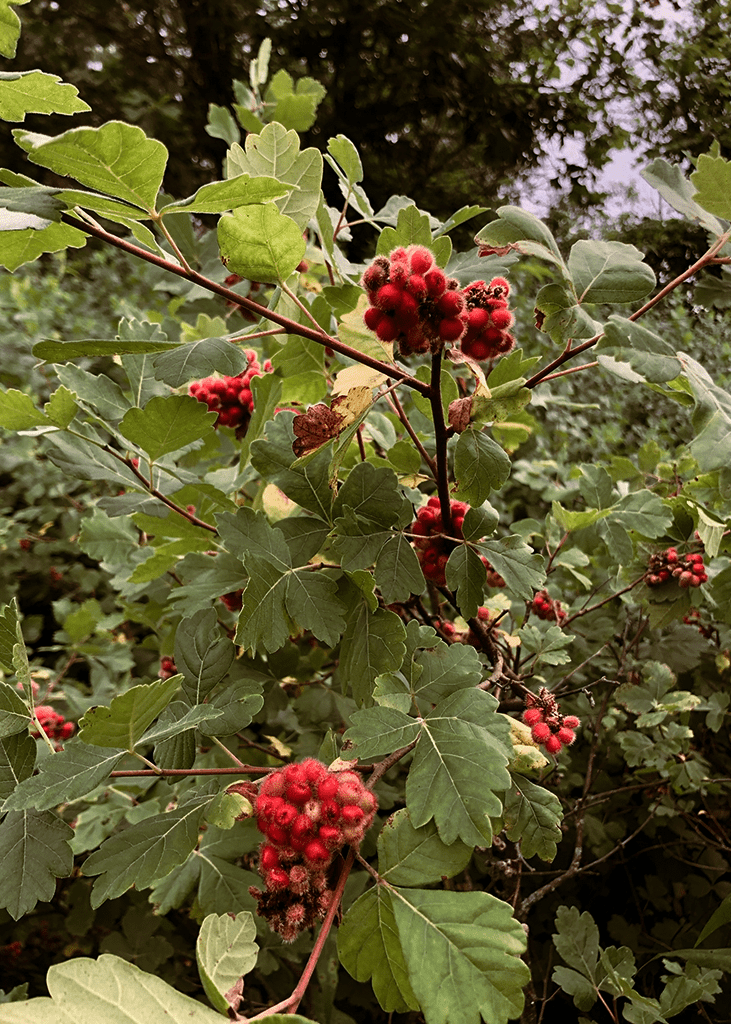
<point x="14" y="713"/>
<point x="125" y="721"/>
<point x="35" y="92"/>
<point x="71" y="774"/>
<point x="373" y="644"/>
<point x="369" y="949"/>
<point x="225" y="950"/>
<point x="145" y="852"/>
<point x="260" y="243"/>
<point x="480" y="466"/>
<point x="17" y="758"/>
<point x="532" y="817"/>
<point x="416" y="856"/>
<point x="460" y="767"/>
<point x="202" y="653"/>
<point x="462" y="952"/>
<point x="577" y="940"/>
<point x="34" y="852"/>
<point x="167" y="424"/>
<point x="377" y="731"/>
<point x="117" y="159"/>
<point x="108" y="990"/>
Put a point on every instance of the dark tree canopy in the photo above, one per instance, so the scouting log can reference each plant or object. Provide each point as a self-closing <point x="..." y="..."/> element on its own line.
<point x="455" y="99"/>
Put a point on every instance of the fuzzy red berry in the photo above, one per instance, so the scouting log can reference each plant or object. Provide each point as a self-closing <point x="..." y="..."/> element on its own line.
<point x="552" y="744"/>
<point x="541" y="732"/>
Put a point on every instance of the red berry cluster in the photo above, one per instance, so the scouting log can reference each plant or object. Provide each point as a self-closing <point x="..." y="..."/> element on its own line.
<point x="54" y="725"/>
<point x="413" y="301"/>
<point x="488" y="319"/>
<point x="230" y="397"/>
<point x="693" y="618"/>
<point x="307" y="814"/>
<point x="167" y="668"/>
<point x="688" y="570"/>
<point x="546" y="607"/>
<point x="548" y="726"/>
<point x="433" y="547"/>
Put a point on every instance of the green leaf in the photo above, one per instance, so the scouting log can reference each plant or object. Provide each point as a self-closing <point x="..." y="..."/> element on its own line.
<point x="10" y="633"/>
<point x="249" y="533"/>
<point x="306" y="485"/>
<point x="462" y="952"/>
<point x="61" y="407"/>
<point x="179" y="718"/>
<point x="644" y="512"/>
<point x="263" y="622"/>
<point x="712" y="182"/>
<point x="219" y="196"/>
<point x="202" y="653"/>
<point x="18" y="411"/>
<point x="480" y="466"/>
<point x="532" y="817"/>
<point x="412" y="228"/>
<point x="42" y="205"/>
<point x="373" y="643"/>
<point x="370" y="950"/>
<point x="109" y="989"/>
<point x="34" y="852"/>
<point x="720" y="917"/>
<point x="135" y="338"/>
<point x="521" y="568"/>
<point x="442" y="669"/>
<point x="236" y="704"/>
<point x="267" y="391"/>
<point x="221" y="124"/>
<point x="108" y="540"/>
<point x="373" y="494"/>
<point x="295" y="105"/>
<point x="167" y="424"/>
<point x="17" y="758"/>
<point x="312" y="602"/>
<point x="466" y="575"/>
<point x="675" y="189"/>
<point x="9" y="26"/>
<point x="459" y="767"/>
<point x="225" y="950"/>
<point x="646" y="352"/>
<point x="260" y="243"/>
<point x="398" y="573"/>
<point x="117" y="159"/>
<point x="576" y="985"/>
<point x="564" y="317"/>
<point x="125" y="721"/>
<point x="417" y="856"/>
<point x="199" y="359"/>
<point x="342" y="154"/>
<point x="14" y="713"/>
<point x="70" y="774"/>
<point x="381" y="730"/>
<point x="275" y="153"/>
<point x="34" y="92"/>
<point x="548" y="643"/>
<point x="577" y="940"/>
<point x="22" y="243"/>
<point x="145" y="852"/>
<point x="609" y="272"/>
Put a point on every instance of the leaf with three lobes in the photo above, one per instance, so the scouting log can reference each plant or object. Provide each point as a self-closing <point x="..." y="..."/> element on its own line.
<point x="34" y="852"/>
<point x="108" y="989"/>
<point x="146" y="851"/>
<point x="225" y="950"/>
<point x="70" y="774"/>
<point x="127" y="718"/>
<point x="373" y="643"/>
<point x="462" y="952"/>
<point x="460" y="767"/>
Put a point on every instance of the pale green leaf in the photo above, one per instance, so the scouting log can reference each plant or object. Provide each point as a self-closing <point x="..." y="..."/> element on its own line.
<point x="219" y="196"/>
<point x="225" y="950"/>
<point x="609" y="272"/>
<point x="27" y="243"/>
<point x="111" y="990"/>
<point x="9" y="26"/>
<point x="260" y="243"/>
<point x="712" y="182"/>
<point x="117" y="159"/>
<point x="18" y="411"/>
<point x="34" y="92"/>
<point x="70" y="774"/>
<point x="14" y="713"/>
<point x="675" y="189"/>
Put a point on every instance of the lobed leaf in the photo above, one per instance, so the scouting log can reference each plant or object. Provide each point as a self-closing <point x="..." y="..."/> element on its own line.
<point x="127" y="718"/>
<point x="225" y="950"/>
<point x="34" y="92"/>
<point x="34" y="852"/>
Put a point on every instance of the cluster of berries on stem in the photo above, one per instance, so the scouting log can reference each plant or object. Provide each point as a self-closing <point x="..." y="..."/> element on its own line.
<point x="433" y="546"/>
<point x="167" y="668"/>
<point x="230" y="397"/>
<point x="548" y="726"/>
<point x="547" y="607"/>
<point x="413" y="302"/>
<point x="54" y="725"/>
<point x="307" y="814"/>
<point x="688" y="570"/>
